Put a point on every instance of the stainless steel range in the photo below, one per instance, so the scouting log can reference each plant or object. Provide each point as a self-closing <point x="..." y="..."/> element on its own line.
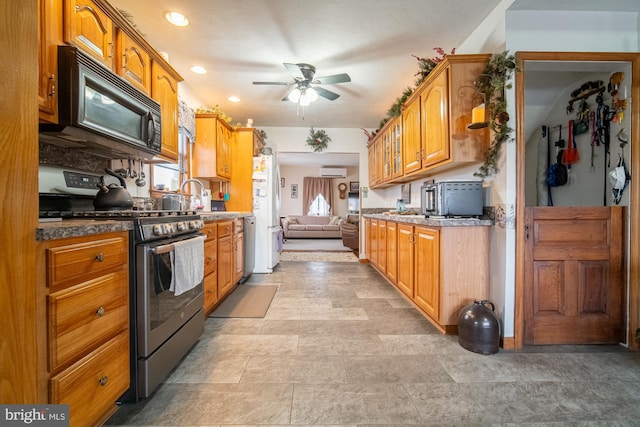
<point x="164" y="325"/>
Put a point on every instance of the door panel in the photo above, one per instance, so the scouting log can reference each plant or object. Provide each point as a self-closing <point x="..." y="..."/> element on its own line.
<point x="574" y="278"/>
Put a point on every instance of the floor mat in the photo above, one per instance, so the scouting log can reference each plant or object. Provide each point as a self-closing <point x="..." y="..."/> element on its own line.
<point x="319" y="256"/>
<point x="246" y="301"/>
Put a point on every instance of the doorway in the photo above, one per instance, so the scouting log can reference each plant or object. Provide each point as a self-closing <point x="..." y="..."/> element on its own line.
<point x="572" y="69"/>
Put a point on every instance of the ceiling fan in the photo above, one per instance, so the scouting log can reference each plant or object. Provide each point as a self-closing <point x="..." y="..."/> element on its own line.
<point x="306" y="86"/>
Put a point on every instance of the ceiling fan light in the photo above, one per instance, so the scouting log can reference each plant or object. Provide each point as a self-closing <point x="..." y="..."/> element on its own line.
<point x="312" y="95"/>
<point x="294" y="95"/>
<point x="304" y="101"/>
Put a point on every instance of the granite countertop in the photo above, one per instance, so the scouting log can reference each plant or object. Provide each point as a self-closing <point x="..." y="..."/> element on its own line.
<point x="220" y="215"/>
<point x="61" y="229"/>
<point x="79" y="227"/>
<point x="431" y="221"/>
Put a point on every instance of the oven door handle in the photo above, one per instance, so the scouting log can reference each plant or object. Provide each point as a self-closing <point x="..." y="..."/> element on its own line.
<point x="162" y="249"/>
<point x="168" y="248"/>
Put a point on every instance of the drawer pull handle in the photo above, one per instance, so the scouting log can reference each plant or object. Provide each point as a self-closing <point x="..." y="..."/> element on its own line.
<point x="103" y="380"/>
<point x="100" y="311"/>
<point x="100" y="257"/>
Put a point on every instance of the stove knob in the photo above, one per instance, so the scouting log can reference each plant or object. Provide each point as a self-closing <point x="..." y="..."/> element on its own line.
<point x="193" y="225"/>
<point x="181" y="226"/>
<point x="168" y="228"/>
<point x="199" y="223"/>
<point x="158" y="230"/>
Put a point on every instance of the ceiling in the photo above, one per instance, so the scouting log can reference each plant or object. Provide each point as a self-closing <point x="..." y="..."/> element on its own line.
<point x="241" y="41"/>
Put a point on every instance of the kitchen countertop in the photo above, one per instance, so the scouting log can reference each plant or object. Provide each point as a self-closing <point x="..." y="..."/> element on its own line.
<point x="52" y="230"/>
<point x="431" y="221"/>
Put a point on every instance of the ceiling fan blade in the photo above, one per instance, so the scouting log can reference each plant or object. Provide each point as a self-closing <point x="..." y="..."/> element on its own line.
<point x="326" y="93"/>
<point x="272" y="83"/>
<point x="335" y="78"/>
<point x="295" y="70"/>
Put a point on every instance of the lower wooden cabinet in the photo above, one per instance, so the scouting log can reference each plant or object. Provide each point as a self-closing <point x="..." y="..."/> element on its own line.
<point x="210" y="287"/>
<point x="440" y="269"/>
<point x="93" y="384"/>
<point x="238" y="249"/>
<point x="86" y="289"/>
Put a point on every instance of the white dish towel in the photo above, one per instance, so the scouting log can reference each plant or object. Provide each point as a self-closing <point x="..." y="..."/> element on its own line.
<point x="187" y="264"/>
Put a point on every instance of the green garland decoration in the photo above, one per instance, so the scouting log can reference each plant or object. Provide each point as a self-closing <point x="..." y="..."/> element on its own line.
<point x="492" y="84"/>
<point x="318" y="140"/>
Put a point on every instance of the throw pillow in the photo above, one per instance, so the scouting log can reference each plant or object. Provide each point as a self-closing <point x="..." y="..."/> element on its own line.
<point x="292" y="220"/>
<point x="334" y="220"/>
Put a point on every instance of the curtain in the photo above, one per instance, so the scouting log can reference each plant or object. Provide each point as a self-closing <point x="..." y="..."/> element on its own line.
<point x="311" y="187"/>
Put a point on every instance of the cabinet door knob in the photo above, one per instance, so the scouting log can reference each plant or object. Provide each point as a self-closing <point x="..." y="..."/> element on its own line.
<point x="100" y="257"/>
<point x="100" y="311"/>
<point x="103" y="381"/>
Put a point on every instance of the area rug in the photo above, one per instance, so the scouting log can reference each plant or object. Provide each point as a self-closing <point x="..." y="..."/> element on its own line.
<point x="312" y="245"/>
<point x="246" y="301"/>
<point x="319" y="256"/>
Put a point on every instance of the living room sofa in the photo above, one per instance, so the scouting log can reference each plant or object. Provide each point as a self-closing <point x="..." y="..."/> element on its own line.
<point x="311" y="227"/>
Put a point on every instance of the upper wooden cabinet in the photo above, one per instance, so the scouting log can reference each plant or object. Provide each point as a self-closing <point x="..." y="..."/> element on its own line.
<point x="98" y="29"/>
<point x="433" y="124"/>
<point x="164" y="89"/>
<point x="212" y="148"/>
<point x="245" y="144"/>
<point x="50" y="36"/>
<point x="90" y="29"/>
<point x="411" y="142"/>
<point x="133" y="62"/>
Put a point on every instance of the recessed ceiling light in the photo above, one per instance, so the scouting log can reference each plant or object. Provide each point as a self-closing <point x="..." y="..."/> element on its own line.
<point x="176" y="18"/>
<point x="198" y="69"/>
<point x="233" y="99"/>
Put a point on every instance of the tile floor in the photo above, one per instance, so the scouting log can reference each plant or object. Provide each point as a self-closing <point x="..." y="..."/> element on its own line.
<point x="340" y="346"/>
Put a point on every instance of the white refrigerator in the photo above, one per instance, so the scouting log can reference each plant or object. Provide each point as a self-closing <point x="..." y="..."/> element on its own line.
<point x="266" y="208"/>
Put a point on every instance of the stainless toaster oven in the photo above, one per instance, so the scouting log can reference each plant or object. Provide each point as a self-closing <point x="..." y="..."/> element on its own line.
<point x="452" y="198"/>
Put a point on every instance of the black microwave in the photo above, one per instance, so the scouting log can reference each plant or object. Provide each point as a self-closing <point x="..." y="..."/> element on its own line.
<point x="101" y="112"/>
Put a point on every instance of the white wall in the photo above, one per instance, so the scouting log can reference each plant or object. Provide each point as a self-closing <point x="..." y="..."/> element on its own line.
<point x="294" y="175"/>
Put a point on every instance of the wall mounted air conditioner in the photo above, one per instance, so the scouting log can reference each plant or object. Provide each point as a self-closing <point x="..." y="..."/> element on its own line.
<point x="333" y="172"/>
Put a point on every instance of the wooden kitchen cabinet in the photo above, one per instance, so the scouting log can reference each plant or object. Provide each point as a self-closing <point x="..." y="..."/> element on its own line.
<point x="50" y="36"/>
<point x="212" y="148"/>
<point x="427" y="270"/>
<point x="405" y="259"/>
<point x="87" y="323"/>
<point x="133" y="63"/>
<point x="89" y="28"/>
<point x="164" y="89"/>
<point x="210" y="287"/>
<point x="392" y="251"/>
<point x="225" y="258"/>
<point x="373" y="245"/>
<point x="238" y="249"/>
<point x="397" y="168"/>
<point x="434" y="120"/>
<point x="441" y="269"/>
<point x="411" y="136"/>
<point x="434" y="124"/>
<point x="382" y="246"/>
<point x="246" y="142"/>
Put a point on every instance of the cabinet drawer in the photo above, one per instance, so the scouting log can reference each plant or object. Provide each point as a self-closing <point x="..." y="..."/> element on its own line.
<point x="84" y="316"/>
<point x="92" y="386"/>
<point x="210" y="257"/>
<point x="210" y="230"/>
<point x="238" y="225"/>
<point x="75" y="262"/>
<point x="224" y="228"/>
<point x="210" y="291"/>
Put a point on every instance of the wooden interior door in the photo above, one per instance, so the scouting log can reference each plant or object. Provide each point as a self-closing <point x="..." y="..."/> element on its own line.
<point x="574" y="276"/>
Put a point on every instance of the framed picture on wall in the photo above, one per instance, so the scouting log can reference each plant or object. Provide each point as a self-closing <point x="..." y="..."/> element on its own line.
<point x="294" y="191"/>
<point x="354" y="186"/>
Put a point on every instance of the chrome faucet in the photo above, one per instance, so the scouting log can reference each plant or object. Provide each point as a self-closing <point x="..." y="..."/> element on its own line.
<point x="182" y="199"/>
